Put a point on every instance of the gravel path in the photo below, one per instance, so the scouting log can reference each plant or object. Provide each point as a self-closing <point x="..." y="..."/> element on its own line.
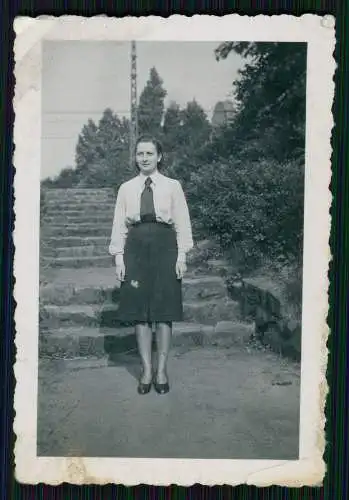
<point x="233" y="402"/>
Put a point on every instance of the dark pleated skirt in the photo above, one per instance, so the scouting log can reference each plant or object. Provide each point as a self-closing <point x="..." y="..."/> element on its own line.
<point x="151" y="291"/>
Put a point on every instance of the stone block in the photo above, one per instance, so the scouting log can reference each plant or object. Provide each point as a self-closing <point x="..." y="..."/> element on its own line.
<point x="235" y="290"/>
<point x="53" y="316"/>
<point x="210" y="312"/>
<point x="79" y="194"/>
<point x="74" y="252"/>
<point x="55" y="207"/>
<point x="65" y="294"/>
<point x="76" y="241"/>
<point x="233" y="333"/>
<point x="287" y="345"/>
<point x="77" y="230"/>
<point x="62" y="218"/>
<point x="79" y="262"/>
<point x="203" y="288"/>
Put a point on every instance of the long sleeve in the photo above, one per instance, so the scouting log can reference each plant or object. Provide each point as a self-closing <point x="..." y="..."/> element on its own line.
<point x="181" y="220"/>
<point x="119" y="230"/>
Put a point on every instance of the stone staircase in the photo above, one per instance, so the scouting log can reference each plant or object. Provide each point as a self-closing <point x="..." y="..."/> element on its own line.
<point x="79" y="291"/>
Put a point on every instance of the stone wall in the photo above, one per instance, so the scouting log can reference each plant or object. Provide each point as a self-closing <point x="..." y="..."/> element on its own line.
<point x="273" y="327"/>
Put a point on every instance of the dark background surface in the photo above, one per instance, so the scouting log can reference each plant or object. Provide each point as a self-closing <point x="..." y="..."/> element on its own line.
<point x="336" y="483"/>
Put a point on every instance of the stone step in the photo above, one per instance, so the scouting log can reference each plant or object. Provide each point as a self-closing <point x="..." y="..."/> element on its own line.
<point x="105" y="260"/>
<point x="73" y="190"/>
<point x="53" y="316"/>
<point x="76" y="241"/>
<point x="53" y="281"/>
<point x="98" y="277"/>
<point x="54" y="207"/>
<point x="210" y="312"/>
<point x="219" y="266"/>
<point x="79" y="262"/>
<point x="197" y="272"/>
<point x="99" y="284"/>
<point x="105" y="217"/>
<point x="81" y="224"/>
<point x="92" y="277"/>
<point x="78" y="193"/>
<point x="205" y="312"/>
<point x="79" y="210"/>
<point x="77" y="230"/>
<point x="76" y="252"/>
<point x="59" y="294"/>
<point x="85" y="342"/>
<point x="203" y="288"/>
<point x="73" y="293"/>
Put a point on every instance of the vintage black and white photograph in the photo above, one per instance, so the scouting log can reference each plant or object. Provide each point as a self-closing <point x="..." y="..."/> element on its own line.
<point x="171" y="197"/>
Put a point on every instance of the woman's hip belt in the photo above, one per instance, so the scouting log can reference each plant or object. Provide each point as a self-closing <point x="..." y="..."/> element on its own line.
<point x="151" y="221"/>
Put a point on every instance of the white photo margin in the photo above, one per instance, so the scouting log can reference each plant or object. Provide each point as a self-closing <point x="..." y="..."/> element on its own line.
<point x="319" y="33"/>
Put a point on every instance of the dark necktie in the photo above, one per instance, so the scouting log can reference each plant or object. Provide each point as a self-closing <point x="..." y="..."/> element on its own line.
<point x="147" y="202"/>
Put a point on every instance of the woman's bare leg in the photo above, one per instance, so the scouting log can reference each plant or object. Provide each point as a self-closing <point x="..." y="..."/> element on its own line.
<point x="144" y="341"/>
<point x="163" y="341"/>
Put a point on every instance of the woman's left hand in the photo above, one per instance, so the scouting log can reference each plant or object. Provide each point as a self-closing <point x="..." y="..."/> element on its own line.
<point x="181" y="268"/>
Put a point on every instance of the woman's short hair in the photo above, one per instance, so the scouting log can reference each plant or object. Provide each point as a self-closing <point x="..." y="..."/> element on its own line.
<point x="157" y="144"/>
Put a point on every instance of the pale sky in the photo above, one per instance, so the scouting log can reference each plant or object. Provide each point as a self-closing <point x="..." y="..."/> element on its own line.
<point x="82" y="79"/>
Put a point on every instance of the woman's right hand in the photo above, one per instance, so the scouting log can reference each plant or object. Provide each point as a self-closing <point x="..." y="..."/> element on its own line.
<point x="120" y="267"/>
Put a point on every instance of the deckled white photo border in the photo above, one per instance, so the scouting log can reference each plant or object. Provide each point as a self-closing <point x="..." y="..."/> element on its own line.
<point x="319" y="32"/>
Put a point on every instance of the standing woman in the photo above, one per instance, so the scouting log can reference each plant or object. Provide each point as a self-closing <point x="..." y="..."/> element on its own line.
<point x="151" y="235"/>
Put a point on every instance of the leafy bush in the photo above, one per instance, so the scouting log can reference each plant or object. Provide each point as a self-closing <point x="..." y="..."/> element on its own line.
<point x="254" y="209"/>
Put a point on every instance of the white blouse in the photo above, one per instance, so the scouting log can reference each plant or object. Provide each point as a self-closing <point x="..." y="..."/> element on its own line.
<point x="170" y="207"/>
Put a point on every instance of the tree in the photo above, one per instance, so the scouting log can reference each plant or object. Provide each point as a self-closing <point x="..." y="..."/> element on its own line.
<point x="112" y="135"/>
<point x="102" y="157"/>
<point x="86" y="152"/>
<point x="189" y="143"/>
<point x="195" y="125"/>
<point x="65" y="179"/>
<point x="151" y="105"/>
<point x="172" y="127"/>
<point x="245" y="185"/>
<point x="271" y="95"/>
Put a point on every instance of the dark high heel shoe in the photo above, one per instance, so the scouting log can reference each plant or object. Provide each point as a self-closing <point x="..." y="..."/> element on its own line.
<point x="143" y="388"/>
<point x="161" y="388"/>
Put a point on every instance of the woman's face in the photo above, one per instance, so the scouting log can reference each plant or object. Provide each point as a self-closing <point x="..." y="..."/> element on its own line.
<point x="147" y="157"/>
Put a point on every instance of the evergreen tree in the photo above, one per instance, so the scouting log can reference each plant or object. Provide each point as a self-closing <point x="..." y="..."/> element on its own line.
<point x="103" y="156"/>
<point x="189" y="139"/>
<point x="172" y="128"/>
<point x="151" y="105"/>
<point x="110" y="166"/>
<point x="112" y="135"/>
<point x="85" y="152"/>
<point x="196" y="127"/>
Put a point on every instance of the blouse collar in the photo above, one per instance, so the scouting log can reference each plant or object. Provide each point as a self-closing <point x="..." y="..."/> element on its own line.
<point x="154" y="177"/>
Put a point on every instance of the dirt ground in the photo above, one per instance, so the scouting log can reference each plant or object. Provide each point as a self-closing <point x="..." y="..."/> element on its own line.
<point x="233" y="402"/>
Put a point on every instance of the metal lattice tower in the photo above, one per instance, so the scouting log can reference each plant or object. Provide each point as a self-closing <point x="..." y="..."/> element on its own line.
<point x="134" y="119"/>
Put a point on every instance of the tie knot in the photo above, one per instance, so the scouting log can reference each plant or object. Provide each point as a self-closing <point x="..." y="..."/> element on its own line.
<point x="148" y="181"/>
